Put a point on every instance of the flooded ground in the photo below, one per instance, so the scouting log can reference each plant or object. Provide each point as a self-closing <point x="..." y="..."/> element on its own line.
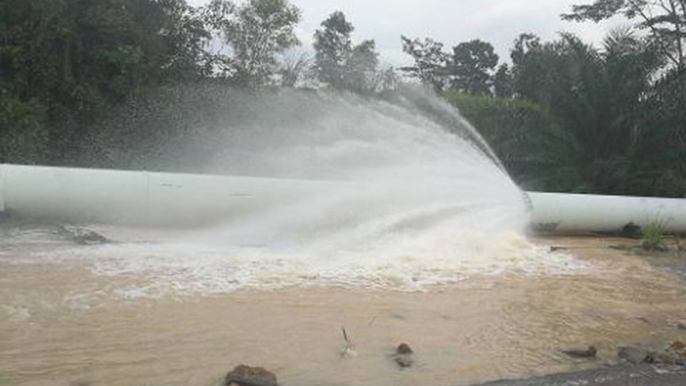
<point x="67" y="324"/>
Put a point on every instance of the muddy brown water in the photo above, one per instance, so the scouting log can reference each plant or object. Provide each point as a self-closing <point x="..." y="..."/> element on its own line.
<point x="482" y="329"/>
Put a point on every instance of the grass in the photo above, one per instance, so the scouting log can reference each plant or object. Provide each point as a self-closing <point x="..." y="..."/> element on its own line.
<point x="653" y="238"/>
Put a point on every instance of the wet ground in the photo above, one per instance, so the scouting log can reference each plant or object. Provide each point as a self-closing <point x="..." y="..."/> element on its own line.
<point x="66" y="323"/>
<point x="620" y="375"/>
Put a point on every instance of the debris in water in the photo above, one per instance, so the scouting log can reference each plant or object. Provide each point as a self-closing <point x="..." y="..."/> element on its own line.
<point x="82" y="236"/>
<point x="348" y="349"/>
<point x="250" y="376"/>
<point x="404" y="348"/>
<point x="590" y="352"/>
<point x="91" y="238"/>
<point x="404" y="356"/>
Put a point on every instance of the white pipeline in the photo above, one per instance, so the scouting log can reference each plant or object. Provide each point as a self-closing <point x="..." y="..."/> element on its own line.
<point x="154" y="199"/>
<point x="141" y="198"/>
<point x="562" y="212"/>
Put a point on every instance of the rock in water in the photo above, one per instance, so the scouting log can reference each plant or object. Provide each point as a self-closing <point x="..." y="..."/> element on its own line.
<point x="668" y="358"/>
<point x="633" y="355"/>
<point x="91" y="238"/>
<point x="250" y="376"/>
<point x="404" y="348"/>
<point x="631" y="231"/>
<point x="590" y="352"/>
<point x="403" y="356"/>
<point x="679" y="349"/>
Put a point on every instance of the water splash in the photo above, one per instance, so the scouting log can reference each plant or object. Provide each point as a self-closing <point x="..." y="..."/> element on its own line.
<point x="420" y="200"/>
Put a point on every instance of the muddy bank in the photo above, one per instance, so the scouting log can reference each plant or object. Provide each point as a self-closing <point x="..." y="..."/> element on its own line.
<point x="620" y="375"/>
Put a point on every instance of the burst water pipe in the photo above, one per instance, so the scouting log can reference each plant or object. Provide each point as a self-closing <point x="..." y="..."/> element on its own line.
<point x="156" y="199"/>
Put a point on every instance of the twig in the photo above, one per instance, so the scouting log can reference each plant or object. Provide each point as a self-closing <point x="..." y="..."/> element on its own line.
<point x="348" y="349"/>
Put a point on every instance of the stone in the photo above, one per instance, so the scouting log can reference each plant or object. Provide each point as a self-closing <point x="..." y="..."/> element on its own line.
<point x="590" y="352"/>
<point x="631" y="231"/>
<point x="250" y="376"/>
<point x="681" y="326"/>
<point x="668" y="357"/>
<point x="404" y="356"/>
<point x="90" y="238"/>
<point x="404" y="361"/>
<point x="404" y="348"/>
<point x="679" y="348"/>
<point x="651" y="357"/>
<point x="633" y="355"/>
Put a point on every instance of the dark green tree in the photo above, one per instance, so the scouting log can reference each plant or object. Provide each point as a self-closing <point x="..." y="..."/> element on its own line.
<point x="599" y="97"/>
<point x="68" y="61"/>
<point x="430" y="62"/>
<point x="665" y="20"/>
<point x="333" y="46"/>
<point x="471" y="67"/>
<point x="338" y="62"/>
<point x="522" y="45"/>
<point x="528" y="59"/>
<point x="260" y="30"/>
<point x="361" y="67"/>
<point x="503" y="82"/>
<point x="23" y="132"/>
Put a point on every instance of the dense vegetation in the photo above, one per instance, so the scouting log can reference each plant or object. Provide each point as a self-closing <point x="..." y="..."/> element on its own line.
<point x="94" y="82"/>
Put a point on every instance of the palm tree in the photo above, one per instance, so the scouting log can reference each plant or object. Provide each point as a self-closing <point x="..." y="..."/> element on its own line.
<point x="598" y="95"/>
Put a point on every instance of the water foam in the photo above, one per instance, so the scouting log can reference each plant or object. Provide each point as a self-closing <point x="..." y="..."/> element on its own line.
<point x="185" y="268"/>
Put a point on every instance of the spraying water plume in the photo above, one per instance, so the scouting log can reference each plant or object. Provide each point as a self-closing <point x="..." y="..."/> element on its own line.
<point x="414" y="197"/>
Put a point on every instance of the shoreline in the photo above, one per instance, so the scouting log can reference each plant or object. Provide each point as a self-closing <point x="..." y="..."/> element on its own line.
<point x="614" y="375"/>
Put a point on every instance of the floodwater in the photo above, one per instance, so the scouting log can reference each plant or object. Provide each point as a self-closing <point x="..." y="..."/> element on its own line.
<point x="68" y="324"/>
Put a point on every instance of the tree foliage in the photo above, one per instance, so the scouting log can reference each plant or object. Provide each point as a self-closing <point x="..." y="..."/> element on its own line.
<point x="74" y="58"/>
<point x="260" y="30"/>
<point x="665" y="21"/>
<point x="338" y="62"/>
<point x="503" y="82"/>
<point x="602" y="100"/>
<point x="23" y="135"/>
<point x="471" y="67"/>
<point x="430" y="62"/>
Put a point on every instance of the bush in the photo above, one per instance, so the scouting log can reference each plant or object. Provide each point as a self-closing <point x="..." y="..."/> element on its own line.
<point x="23" y="135"/>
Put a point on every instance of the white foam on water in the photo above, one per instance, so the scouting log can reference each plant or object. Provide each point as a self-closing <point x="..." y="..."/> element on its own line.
<point x="182" y="268"/>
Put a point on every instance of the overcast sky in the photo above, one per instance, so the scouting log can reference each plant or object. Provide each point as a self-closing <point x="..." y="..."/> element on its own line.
<point x="448" y="21"/>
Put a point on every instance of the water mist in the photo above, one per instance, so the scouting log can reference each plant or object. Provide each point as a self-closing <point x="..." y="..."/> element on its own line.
<point x="416" y="198"/>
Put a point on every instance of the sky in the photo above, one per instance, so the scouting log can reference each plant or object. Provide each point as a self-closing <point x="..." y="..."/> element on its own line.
<point x="448" y="21"/>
